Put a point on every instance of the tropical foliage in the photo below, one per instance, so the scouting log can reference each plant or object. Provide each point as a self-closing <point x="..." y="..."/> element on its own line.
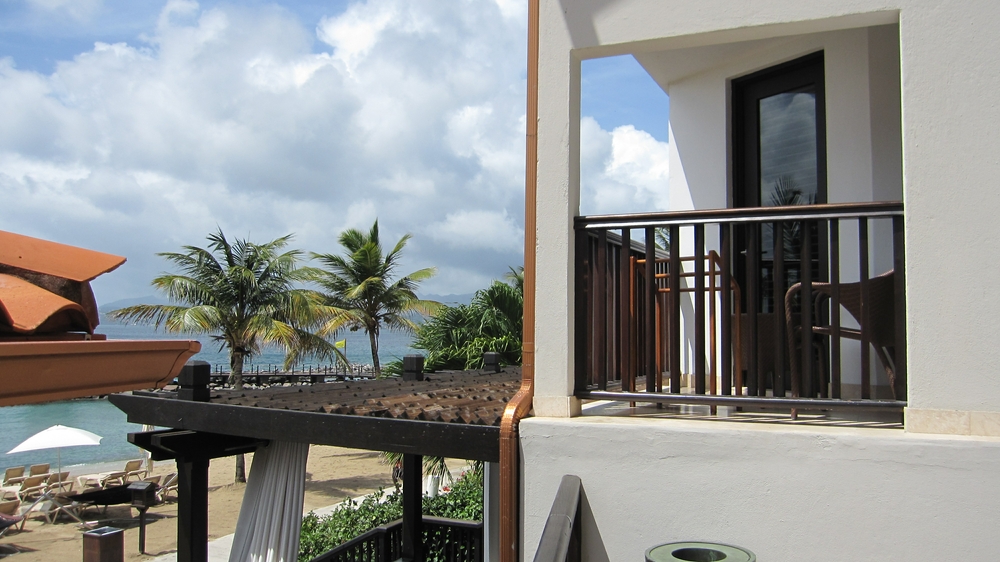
<point x="243" y="295"/>
<point x="352" y="519"/>
<point x="456" y="336"/>
<point x="362" y="285"/>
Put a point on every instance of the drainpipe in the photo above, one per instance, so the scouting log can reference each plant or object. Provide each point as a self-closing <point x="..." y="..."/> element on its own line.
<point x="520" y="405"/>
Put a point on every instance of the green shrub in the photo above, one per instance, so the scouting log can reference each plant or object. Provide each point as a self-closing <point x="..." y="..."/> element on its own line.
<point x="351" y="519"/>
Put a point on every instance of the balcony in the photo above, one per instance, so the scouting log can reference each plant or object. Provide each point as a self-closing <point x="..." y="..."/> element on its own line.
<point x="708" y="308"/>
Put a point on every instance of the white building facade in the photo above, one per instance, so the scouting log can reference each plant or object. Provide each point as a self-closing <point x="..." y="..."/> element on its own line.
<point x="909" y="110"/>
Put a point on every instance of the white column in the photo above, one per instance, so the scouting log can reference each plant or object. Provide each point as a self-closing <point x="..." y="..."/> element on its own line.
<point x="491" y="512"/>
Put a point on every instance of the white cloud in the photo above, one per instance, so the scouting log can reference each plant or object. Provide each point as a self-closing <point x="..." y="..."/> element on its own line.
<point x="231" y="117"/>
<point x="622" y="171"/>
<point x="479" y="230"/>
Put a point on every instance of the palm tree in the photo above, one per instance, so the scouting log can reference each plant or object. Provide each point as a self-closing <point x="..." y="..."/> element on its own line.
<point x="243" y="295"/>
<point x="361" y="286"/>
<point x="456" y="337"/>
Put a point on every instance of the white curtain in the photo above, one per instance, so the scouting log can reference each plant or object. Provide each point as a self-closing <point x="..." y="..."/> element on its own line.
<point x="271" y="514"/>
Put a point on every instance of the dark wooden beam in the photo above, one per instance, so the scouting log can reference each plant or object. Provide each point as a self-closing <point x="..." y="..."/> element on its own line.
<point x="455" y="440"/>
<point x="166" y="444"/>
<point x="413" y="547"/>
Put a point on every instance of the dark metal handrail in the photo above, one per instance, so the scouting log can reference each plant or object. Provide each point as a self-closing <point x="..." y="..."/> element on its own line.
<point x="447" y="540"/>
<point x="560" y="541"/>
<point x="743" y="215"/>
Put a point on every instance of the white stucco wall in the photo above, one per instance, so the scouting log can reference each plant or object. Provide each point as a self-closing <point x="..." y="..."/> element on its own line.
<point x="950" y="117"/>
<point x="785" y="493"/>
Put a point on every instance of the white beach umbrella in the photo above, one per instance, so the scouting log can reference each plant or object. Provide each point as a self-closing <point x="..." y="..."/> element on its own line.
<point x="57" y="437"/>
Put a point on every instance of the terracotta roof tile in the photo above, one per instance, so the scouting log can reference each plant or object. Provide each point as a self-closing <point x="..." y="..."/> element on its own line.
<point x="52" y="258"/>
<point x="26" y="308"/>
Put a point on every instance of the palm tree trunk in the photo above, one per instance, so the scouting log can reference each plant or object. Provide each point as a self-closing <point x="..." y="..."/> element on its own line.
<point x="241" y="469"/>
<point x="236" y="369"/>
<point x="236" y="379"/>
<point x="373" y="338"/>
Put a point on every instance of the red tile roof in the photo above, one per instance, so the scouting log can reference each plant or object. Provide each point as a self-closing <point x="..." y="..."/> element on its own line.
<point x="52" y="258"/>
<point x="28" y="308"/>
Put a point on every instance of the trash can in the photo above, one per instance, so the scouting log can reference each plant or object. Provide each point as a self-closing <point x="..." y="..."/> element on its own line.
<point x="105" y="544"/>
<point x="699" y="552"/>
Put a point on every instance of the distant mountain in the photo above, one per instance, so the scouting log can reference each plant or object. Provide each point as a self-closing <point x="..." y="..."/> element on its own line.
<point x="150" y="299"/>
<point x="450" y="300"/>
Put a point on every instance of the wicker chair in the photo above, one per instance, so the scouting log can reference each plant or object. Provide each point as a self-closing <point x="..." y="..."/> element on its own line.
<point x="880" y="320"/>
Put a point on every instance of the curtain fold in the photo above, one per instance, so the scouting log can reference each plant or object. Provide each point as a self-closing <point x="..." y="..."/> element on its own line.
<point x="271" y="515"/>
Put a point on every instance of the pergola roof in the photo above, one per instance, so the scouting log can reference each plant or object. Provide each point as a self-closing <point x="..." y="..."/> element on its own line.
<point x="451" y="414"/>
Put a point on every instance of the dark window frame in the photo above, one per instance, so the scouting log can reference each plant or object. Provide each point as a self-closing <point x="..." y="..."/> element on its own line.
<point x="746" y="91"/>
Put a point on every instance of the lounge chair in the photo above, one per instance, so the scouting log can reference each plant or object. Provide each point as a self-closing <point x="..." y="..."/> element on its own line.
<point x="38" y="469"/>
<point x="59" y="484"/>
<point x="100" y="481"/>
<point x="10" y="516"/>
<point x="8" y="522"/>
<point x="169" y="486"/>
<point x="13" y="476"/>
<point x="134" y="468"/>
<point x="30" y="487"/>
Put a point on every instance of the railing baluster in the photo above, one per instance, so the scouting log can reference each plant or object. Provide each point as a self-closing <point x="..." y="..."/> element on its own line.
<point x="699" y="309"/>
<point x="601" y="300"/>
<point x="805" y="309"/>
<point x="835" y="308"/>
<point x="713" y="371"/>
<point x="581" y="326"/>
<point x="674" y="314"/>
<point x="727" y="310"/>
<point x="651" y="290"/>
<point x="624" y="310"/>
<point x="865" y="328"/>
<point x="633" y="348"/>
<point x="591" y="311"/>
<point x="754" y="386"/>
<point x="778" y="297"/>
<point x="899" y="307"/>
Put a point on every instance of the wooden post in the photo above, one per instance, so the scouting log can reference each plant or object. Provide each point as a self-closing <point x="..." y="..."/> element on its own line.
<point x="699" y="309"/>
<point x="674" y="315"/>
<point x="192" y="510"/>
<point x="727" y="309"/>
<point x="412" y="510"/>
<point x="778" y="309"/>
<point x="649" y="347"/>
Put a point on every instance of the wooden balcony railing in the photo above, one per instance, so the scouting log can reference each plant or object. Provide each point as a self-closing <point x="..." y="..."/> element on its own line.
<point x="726" y="286"/>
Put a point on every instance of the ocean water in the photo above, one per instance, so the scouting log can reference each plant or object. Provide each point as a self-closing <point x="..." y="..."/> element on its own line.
<point x="17" y="423"/>
<point x="392" y="345"/>
<point x="95" y="415"/>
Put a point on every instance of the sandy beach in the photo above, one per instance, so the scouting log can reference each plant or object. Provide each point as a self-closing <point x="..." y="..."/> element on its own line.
<point x="333" y="474"/>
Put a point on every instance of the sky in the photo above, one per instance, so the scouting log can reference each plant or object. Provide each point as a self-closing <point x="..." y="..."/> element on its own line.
<point x="137" y="126"/>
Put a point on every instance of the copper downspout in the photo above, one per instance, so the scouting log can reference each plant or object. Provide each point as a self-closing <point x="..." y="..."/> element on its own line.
<point x="520" y="405"/>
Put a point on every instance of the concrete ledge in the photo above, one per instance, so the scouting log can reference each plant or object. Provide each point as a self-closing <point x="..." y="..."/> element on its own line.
<point x="952" y="422"/>
<point x="556" y="406"/>
<point x="833" y="493"/>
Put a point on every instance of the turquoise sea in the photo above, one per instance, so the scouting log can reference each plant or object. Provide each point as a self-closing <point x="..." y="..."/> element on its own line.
<point x="17" y="423"/>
